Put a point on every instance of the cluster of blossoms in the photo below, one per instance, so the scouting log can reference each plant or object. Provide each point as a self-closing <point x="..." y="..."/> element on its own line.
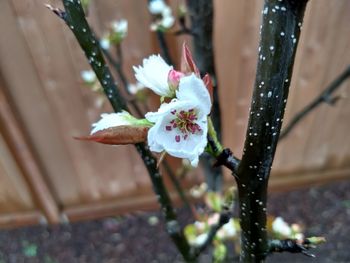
<point x="180" y="125"/>
<point x="118" y="31"/>
<point x="198" y="232"/>
<point x="164" y="17"/>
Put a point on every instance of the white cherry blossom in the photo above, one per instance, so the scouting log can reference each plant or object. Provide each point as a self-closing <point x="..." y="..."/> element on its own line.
<point x="181" y="125"/>
<point x="153" y="74"/>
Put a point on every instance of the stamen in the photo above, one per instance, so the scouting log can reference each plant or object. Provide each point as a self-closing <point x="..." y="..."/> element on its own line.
<point x="185" y="122"/>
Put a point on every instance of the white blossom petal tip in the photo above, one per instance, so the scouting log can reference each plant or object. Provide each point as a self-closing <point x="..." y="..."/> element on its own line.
<point x="153" y="74"/>
<point x="157" y="7"/>
<point x="109" y="120"/>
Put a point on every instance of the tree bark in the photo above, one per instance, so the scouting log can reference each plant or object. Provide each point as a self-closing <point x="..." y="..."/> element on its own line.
<point x="280" y="30"/>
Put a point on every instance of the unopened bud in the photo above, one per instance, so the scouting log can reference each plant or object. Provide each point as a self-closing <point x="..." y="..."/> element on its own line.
<point x="174" y="78"/>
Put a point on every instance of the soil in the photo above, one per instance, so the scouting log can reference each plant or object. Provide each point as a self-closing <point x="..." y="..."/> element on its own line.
<point x="323" y="210"/>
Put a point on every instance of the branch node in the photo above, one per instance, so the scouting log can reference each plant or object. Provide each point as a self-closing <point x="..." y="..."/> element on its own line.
<point x="227" y="159"/>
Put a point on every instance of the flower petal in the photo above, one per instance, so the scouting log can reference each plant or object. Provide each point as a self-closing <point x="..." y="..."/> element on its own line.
<point x="161" y="138"/>
<point x="109" y="120"/>
<point x="154" y="75"/>
<point x="193" y="89"/>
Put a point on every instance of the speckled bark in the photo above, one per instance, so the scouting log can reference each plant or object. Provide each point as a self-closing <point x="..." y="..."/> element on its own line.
<point x="280" y="30"/>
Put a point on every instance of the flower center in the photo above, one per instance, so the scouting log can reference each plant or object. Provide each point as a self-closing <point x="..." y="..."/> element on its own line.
<point x="184" y="121"/>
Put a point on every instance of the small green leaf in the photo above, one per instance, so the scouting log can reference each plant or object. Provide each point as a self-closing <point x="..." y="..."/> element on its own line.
<point x="190" y="232"/>
<point x="214" y="201"/>
<point x="220" y="252"/>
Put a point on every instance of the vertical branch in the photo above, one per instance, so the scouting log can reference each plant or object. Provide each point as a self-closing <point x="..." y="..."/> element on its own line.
<point x="280" y="32"/>
<point x="75" y="18"/>
<point x="202" y="14"/>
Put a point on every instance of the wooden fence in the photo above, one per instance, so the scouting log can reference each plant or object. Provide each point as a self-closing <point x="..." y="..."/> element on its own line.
<point x="45" y="175"/>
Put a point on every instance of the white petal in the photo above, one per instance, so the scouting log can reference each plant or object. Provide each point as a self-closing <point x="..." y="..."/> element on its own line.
<point x="199" y="241"/>
<point x="154" y="75"/>
<point x="88" y="76"/>
<point x="168" y="21"/>
<point x="167" y="11"/>
<point x="105" y="43"/>
<point x="193" y="88"/>
<point x="120" y="26"/>
<point x="281" y="227"/>
<point x="165" y="109"/>
<point x="156" y="7"/>
<point x="109" y="120"/>
<point x="160" y="139"/>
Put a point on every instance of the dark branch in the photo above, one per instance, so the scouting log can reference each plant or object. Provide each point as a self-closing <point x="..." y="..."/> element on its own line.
<point x="227" y="159"/>
<point x="75" y="19"/>
<point x="163" y="45"/>
<point x="201" y="13"/>
<point x="325" y="97"/>
<point x="295" y="246"/>
<point x="184" y="29"/>
<point x="280" y="32"/>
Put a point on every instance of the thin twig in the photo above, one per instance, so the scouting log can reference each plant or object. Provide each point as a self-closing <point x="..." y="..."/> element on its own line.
<point x="295" y="246"/>
<point x="324" y="97"/>
<point x="75" y="18"/>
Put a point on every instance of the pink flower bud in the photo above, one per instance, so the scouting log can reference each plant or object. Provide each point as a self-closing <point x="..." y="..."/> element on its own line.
<point x="174" y="78"/>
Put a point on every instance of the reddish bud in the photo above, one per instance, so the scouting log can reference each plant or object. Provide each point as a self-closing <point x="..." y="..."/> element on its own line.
<point x="174" y="78"/>
<point x="187" y="64"/>
<point x="119" y="135"/>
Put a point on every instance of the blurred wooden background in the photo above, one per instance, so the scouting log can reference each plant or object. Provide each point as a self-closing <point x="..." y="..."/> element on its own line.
<point x="45" y="175"/>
